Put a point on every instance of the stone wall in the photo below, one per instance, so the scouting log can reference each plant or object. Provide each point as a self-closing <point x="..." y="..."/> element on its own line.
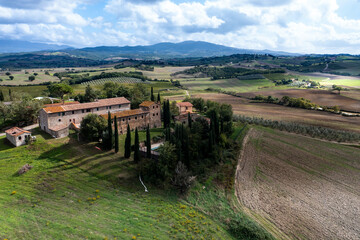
<point x="50" y="121"/>
<point x="17" y="140"/>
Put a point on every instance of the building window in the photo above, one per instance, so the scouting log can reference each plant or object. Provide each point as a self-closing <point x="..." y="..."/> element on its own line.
<point x="110" y="107"/>
<point x="157" y="114"/>
<point x="142" y="116"/>
<point x="129" y="119"/>
<point x="153" y="107"/>
<point x="154" y="114"/>
<point x="157" y="106"/>
<point x="135" y="118"/>
<point x="83" y="111"/>
<point x="123" y="119"/>
<point x="59" y="120"/>
<point x="73" y="112"/>
<point x="120" y="106"/>
<point x="19" y="137"/>
<point x="186" y="108"/>
<point x="59" y="114"/>
<point x="88" y="110"/>
<point x="69" y="120"/>
<point x="97" y="109"/>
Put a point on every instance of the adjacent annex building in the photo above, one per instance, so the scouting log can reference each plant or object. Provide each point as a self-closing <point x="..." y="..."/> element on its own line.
<point x="17" y="136"/>
<point x="58" y="119"/>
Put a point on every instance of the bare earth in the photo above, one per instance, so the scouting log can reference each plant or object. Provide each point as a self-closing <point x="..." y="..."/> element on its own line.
<point x="242" y="106"/>
<point x="320" y="97"/>
<point x="305" y="188"/>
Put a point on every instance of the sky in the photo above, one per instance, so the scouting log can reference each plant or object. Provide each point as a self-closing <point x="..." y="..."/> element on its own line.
<point x="299" y="26"/>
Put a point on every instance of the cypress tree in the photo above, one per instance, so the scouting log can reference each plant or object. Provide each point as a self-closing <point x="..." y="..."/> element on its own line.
<point x="1" y="96"/>
<point x="186" y="149"/>
<point x="110" y="143"/>
<point x="168" y="114"/>
<point x="158" y="98"/>
<point x="148" y="142"/>
<point x="152" y="94"/>
<point x="189" y="120"/>
<point x="128" y="143"/>
<point x="211" y="142"/>
<point x="116" y="135"/>
<point x="136" y="151"/>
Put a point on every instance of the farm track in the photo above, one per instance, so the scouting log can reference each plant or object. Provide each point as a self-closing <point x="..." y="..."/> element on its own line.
<point x="307" y="188"/>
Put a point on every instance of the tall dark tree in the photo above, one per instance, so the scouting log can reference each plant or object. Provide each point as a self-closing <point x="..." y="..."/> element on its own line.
<point x="116" y="135"/>
<point x="90" y="94"/>
<point x="158" y="97"/>
<point x="127" y="151"/>
<point x="165" y="113"/>
<point x="189" y="120"/>
<point x="1" y="96"/>
<point x="110" y="133"/>
<point x="186" y="148"/>
<point x="148" y="142"/>
<point x="136" y="145"/>
<point x="152" y="94"/>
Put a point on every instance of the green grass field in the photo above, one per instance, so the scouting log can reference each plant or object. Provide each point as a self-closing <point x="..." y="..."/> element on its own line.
<point x="20" y="78"/>
<point x="228" y="84"/>
<point x="75" y="191"/>
<point x="342" y="82"/>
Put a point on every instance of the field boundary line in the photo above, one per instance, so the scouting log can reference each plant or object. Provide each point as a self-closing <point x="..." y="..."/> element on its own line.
<point x="262" y="221"/>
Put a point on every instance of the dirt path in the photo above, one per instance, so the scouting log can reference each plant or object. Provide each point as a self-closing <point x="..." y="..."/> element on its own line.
<point x="299" y="188"/>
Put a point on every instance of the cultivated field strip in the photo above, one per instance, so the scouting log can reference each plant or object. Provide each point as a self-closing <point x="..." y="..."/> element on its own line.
<point x="308" y="188"/>
<point x="114" y="79"/>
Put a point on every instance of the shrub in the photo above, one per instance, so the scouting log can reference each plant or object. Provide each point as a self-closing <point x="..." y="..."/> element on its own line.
<point x="312" y="131"/>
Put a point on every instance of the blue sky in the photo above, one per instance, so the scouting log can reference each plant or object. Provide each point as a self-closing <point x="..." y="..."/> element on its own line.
<point x="303" y="26"/>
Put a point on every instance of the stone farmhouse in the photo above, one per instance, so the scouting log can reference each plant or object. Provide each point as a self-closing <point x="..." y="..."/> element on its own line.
<point x="149" y="113"/>
<point x="17" y="136"/>
<point x="184" y="107"/>
<point x="58" y="119"/>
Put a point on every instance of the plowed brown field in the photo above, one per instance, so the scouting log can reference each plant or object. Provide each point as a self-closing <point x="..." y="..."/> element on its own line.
<point x="305" y="188"/>
<point x="320" y="97"/>
<point x="246" y="107"/>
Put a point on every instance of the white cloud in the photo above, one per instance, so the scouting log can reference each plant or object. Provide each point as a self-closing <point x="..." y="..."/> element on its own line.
<point x="290" y="25"/>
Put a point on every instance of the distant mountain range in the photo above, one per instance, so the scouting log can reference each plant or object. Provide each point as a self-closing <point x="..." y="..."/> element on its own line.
<point x="17" y="46"/>
<point x="160" y="50"/>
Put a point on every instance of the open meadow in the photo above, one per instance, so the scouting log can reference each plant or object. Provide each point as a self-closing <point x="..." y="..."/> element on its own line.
<point x="298" y="187"/>
<point x="21" y="78"/>
<point x="75" y="191"/>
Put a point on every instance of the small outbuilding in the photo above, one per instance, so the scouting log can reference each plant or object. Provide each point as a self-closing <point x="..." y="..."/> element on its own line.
<point x="184" y="107"/>
<point x="17" y="136"/>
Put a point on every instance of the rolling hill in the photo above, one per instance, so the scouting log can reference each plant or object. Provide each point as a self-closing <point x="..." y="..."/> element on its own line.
<point x="15" y="46"/>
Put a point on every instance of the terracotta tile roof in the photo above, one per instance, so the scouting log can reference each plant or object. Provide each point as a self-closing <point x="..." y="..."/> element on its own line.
<point x="184" y="104"/>
<point x="126" y="113"/>
<point x="147" y="103"/>
<point x="80" y="106"/>
<point x="55" y="109"/>
<point x="58" y="127"/>
<point x="16" y="131"/>
<point x="60" y="104"/>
